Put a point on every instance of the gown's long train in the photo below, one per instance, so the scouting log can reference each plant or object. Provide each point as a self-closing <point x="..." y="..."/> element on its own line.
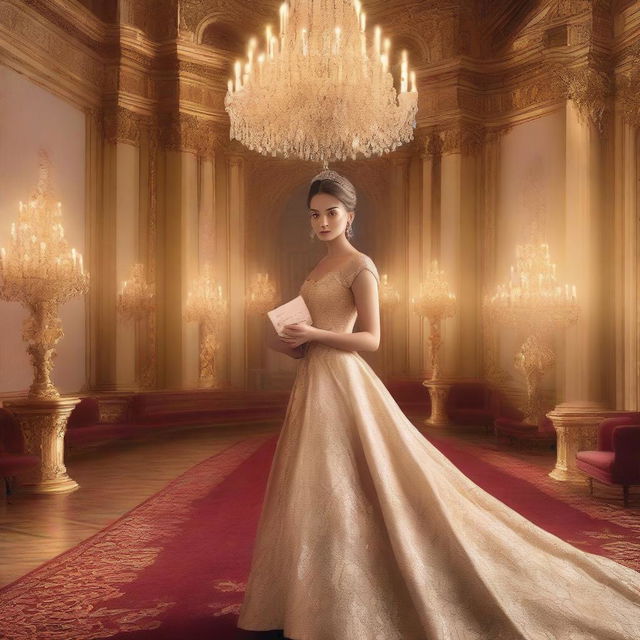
<point x="368" y="532"/>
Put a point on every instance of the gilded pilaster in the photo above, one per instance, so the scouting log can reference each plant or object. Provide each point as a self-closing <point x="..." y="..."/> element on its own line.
<point x="459" y="254"/>
<point x="584" y="251"/>
<point x="236" y="284"/>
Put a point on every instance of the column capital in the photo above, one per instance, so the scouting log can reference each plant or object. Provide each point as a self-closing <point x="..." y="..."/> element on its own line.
<point x="589" y="89"/>
<point x="464" y="138"/>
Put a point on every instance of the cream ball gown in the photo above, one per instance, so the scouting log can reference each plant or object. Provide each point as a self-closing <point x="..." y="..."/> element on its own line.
<point x="368" y="532"/>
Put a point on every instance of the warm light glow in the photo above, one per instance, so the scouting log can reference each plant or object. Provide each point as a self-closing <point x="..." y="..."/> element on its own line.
<point x="434" y="302"/>
<point x="389" y="295"/>
<point x="322" y="60"/>
<point x="137" y="298"/>
<point x="532" y="296"/>
<point x="261" y="294"/>
<point x="41" y="271"/>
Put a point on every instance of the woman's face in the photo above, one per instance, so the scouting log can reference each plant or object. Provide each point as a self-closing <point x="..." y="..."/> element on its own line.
<point x="329" y="217"/>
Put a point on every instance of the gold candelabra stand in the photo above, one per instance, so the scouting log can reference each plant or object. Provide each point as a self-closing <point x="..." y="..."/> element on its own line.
<point x="40" y="271"/>
<point x="262" y="294"/>
<point x="136" y="303"/>
<point x="206" y="305"/>
<point x="534" y="301"/>
<point x="435" y="302"/>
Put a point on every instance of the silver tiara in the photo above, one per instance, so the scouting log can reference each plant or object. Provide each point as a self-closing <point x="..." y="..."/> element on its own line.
<point x="328" y="174"/>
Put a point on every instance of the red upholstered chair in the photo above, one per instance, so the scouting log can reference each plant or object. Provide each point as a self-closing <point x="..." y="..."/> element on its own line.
<point x="13" y="459"/>
<point x="617" y="459"/>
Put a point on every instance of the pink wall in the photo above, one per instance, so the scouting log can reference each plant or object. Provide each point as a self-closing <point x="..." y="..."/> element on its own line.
<point x="31" y="118"/>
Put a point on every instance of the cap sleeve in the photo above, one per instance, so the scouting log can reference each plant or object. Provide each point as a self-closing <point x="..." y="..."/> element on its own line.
<point x="356" y="266"/>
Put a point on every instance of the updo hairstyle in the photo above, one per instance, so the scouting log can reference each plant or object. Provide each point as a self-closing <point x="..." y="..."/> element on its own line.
<point x="335" y="185"/>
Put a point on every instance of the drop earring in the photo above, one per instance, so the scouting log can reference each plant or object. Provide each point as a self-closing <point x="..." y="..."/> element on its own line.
<point x="349" y="231"/>
<point x="312" y="235"/>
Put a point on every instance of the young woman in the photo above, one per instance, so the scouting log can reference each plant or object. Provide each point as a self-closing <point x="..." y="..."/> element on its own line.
<point x="368" y="532"/>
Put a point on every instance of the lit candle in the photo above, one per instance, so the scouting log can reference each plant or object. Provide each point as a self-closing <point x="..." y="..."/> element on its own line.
<point x="573" y="292"/>
<point x="260" y="67"/>
<point x="253" y="43"/>
<point x="337" y="50"/>
<point x="363" y="22"/>
<point x="414" y="88"/>
<point x="20" y="206"/>
<point x="230" y="86"/>
<point x="274" y="47"/>
<point x="81" y="264"/>
<point x="387" y="48"/>
<point x="268" y="37"/>
<point x="305" y="43"/>
<point x="3" y="258"/>
<point x="13" y="231"/>
<point x="404" y="73"/>
<point x="377" y="40"/>
<point x="73" y="257"/>
<point x="238" y="69"/>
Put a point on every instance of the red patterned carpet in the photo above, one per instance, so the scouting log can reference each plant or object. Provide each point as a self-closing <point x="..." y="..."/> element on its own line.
<point x="174" y="568"/>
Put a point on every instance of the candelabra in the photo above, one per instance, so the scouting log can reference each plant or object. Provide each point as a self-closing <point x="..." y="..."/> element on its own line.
<point x="322" y="90"/>
<point x="206" y="306"/>
<point x="262" y="294"/>
<point x="534" y="301"/>
<point x="41" y="271"/>
<point x="136" y="302"/>
<point x="434" y="302"/>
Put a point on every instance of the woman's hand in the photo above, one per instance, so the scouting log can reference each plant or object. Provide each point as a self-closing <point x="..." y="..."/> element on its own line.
<point x="297" y="334"/>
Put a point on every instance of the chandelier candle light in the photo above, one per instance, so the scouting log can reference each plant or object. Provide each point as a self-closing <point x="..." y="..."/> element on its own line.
<point x="389" y="295"/>
<point x="435" y="302"/>
<point x="321" y="90"/>
<point x="262" y="294"/>
<point x="41" y="271"/>
<point x="206" y="305"/>
<point x="136" y="302"/>
<point x="535" y="301"/>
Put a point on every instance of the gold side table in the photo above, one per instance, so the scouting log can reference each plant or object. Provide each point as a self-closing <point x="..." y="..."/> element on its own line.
<point x="577" y="427"/>
<point x="43" y="424"/>
<point x="438" y="392"/>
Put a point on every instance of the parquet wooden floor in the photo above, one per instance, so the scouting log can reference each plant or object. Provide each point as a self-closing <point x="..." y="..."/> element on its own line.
<point x="113" y="479"/>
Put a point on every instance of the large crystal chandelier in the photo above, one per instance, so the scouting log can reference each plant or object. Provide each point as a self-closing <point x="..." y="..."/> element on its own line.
<point x="322" y="90"/>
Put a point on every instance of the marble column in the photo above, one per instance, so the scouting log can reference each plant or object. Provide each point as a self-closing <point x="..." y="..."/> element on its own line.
<point x="236" y="287"/>
<point x="115" y="241"/>
<point x="459" y="254"/>
<point x="583" y="358"/>
<point x="626" y="266"/>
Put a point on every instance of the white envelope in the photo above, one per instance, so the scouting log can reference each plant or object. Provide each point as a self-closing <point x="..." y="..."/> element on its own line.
<point x="290" y="312"/>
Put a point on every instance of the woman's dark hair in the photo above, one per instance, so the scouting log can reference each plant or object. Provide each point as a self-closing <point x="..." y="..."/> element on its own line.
<point x="335" y="185"/>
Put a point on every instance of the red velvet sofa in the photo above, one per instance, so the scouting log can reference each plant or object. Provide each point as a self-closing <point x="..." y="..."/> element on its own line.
<point x="617" y="458"/>
<point x="13" y="459"/>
